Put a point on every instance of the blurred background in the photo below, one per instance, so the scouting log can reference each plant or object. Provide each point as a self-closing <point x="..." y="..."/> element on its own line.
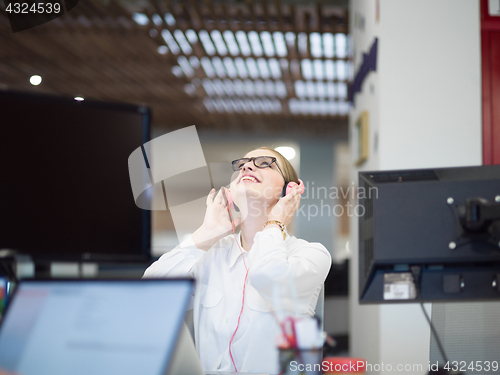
<point x="245" y="73"/>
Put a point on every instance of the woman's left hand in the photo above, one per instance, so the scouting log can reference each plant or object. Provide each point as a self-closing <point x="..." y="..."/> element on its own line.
<point x="284" y="210"/>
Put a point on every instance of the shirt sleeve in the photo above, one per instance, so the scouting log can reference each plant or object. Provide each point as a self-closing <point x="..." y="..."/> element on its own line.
<point x="179" y="262"/>
<point x="291" y="270"/>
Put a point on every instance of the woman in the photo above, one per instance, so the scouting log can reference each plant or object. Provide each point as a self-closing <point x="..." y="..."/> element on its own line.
<point x="244" y="282"/>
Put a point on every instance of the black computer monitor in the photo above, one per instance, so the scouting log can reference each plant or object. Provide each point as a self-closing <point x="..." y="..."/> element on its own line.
<point x="429" y="234"/>
<point x="65" y="192"/>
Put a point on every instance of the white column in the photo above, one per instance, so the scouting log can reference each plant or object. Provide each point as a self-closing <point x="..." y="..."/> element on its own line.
<point x="424" y="105"/>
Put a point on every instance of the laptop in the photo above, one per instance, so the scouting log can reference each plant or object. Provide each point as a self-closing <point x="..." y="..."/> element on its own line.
<point x="97" y="327"/>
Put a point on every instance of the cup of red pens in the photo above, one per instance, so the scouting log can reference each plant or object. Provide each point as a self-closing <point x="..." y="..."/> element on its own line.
<point x="300" y="346"/>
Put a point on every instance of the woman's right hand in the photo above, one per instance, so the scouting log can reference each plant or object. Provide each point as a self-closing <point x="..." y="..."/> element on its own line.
<point x="216" y="223"/>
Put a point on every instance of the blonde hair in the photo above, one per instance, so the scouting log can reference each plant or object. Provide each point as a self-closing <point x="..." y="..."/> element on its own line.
<point x="289" y="172"/>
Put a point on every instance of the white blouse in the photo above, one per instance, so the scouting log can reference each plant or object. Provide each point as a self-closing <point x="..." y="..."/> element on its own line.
<point x="292" y="269"/>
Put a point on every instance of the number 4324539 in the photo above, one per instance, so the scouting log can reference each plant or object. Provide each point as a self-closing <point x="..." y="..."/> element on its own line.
<point x="33" y="8"/>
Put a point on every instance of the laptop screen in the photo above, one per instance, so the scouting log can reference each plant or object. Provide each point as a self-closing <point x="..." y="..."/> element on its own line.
<point x="93" y="327"/>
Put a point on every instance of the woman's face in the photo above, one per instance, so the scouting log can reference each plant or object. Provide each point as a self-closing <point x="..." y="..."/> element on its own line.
<point x="264" y="184"/>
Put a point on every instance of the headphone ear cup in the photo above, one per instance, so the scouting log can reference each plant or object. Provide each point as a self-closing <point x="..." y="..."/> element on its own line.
<point x="289" y="185"/>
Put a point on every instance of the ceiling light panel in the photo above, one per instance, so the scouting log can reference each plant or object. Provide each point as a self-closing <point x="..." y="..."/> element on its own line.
<point x="307" y="71"/>
<point x="185" y="66"/>
<point x="302" y="43"/>
<point x="270" y="88"/>
<point x="330" y="90"/>
<point x="311" y="89"/>
<point x="254" y="39"/>
<point x="329" y="70"/>
<point x="316" y="45"/>
<point x="279" y="43"/>
<point x="206" y="63"/>
<point x="249" y="87"/>
<point x="254" y="84"/>
<point x="252" y="68"/>
<point x="209" y="104"/>
<point x="228" y="104"/>
<point x="333" y="107"/>
<point x="281" y="91"/>
<point x="299" y="87"/>
<point x="320" y="89"/>
<point x="157" y="19"/>
<point x="242" y="39"/>
<point x="177" y="71"/>
<point x="219" y="42"/>
<point x="219" y="87"/>
<point x="182" y="41"/>
<point x="267" y="42"/>
<point x="206" y="41"/>
<point x="162" y="50"/>
<point x="343" y="108"/>
<point x="328" y="45"/>
<point x="231" y="70"/>
<point x="169" y="19"/>
<point x="341" y="45"/>
<point x="247" y="104"/>
<point x="195" y="63"/>
<point x="290" y="39"/>
<point x="319" y="69"/>
<point x="171" y="43"/>
<point x="267" y="105"/>
<point x="219" y="67"/>
<point x="342" y="90"/>
<point x="190" y="89"/>
<point x="274" y="67"/>
<point x="241" y="67"/>
<point x="238" y="104"/>
<point x="257" y="106"/>
<point x="228" y="87"/>
<point x="231" y="43"/>
<point x="219" y="105"/>
<point x="350" y="71"/>
<point x="140" y="18"/>
<point x="341" y="70"/>
<point x="260" y="88"/>
<point x="191" y="36"/>
<point x="263" y="68"/>
<point x="208" y="86"/>
<point x="239" y="87"/>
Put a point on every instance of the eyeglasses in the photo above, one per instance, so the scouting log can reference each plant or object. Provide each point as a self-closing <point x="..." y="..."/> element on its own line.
<point x="259" y="162"/>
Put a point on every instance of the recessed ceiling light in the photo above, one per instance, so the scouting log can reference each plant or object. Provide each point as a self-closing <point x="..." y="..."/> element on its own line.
<point x="169" y="19"/>
<point x="35" y="80"/>
<point x="79" y="99"/>
<point x="162" y="50"/>
<point x="140" y="18"/>
<point x="287" y="152"/>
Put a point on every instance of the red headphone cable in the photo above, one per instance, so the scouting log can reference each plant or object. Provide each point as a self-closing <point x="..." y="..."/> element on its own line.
<point x="244" y="286"/>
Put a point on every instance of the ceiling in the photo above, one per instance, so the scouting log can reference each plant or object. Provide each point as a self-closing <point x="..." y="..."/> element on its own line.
<point x="226" y="66"/>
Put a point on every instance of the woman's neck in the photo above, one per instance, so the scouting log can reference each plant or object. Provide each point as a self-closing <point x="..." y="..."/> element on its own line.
<point x="254" y="222"/>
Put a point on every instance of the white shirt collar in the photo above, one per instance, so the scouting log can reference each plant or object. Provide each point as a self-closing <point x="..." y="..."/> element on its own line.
<point x="235" y="250"/>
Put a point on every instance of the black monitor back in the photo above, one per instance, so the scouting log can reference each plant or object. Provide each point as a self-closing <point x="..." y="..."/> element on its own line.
<point x="411" y="218"/>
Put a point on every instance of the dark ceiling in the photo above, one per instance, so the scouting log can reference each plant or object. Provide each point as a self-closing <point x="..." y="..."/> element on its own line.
<point x="229" y="66"/>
